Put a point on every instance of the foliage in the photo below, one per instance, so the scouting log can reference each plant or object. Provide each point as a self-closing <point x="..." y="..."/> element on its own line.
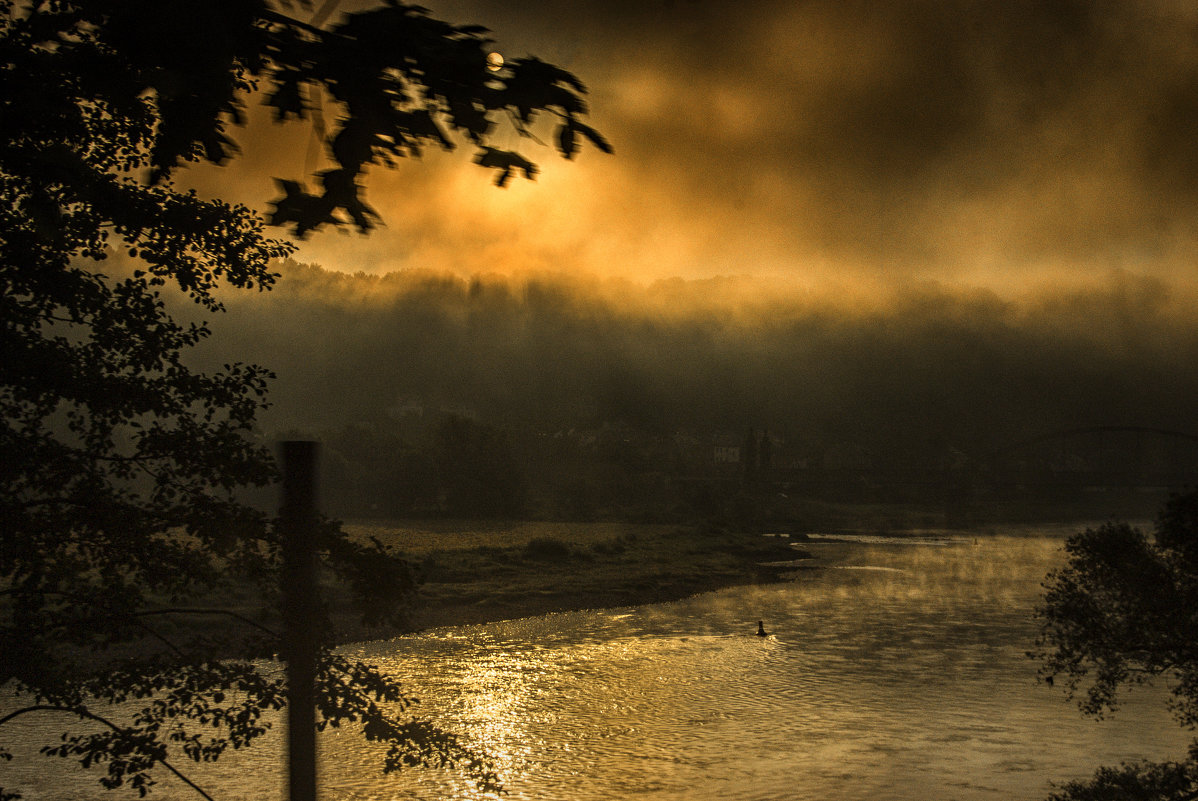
<point x="372" y="472"/>
<point x="1142" y="781"/>
<point x="474" y="468"/>
<point x="548" y="548"/>
<point x="401" y="78"/>
<point x="1121" y="612"/>
<point x="458" y="467"/>
<point x="123" y="537"/>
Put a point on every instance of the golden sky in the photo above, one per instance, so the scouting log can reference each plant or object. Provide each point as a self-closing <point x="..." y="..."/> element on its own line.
<point x="980" y="142"/>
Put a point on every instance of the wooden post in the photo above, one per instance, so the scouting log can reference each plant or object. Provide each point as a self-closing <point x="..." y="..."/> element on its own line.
<point x="298" y="519"/>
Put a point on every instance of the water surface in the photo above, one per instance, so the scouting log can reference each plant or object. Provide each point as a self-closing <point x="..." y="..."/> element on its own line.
<point x="896" y="671"/>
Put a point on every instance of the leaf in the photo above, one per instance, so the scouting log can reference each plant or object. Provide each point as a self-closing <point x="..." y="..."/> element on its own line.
<point x="341" y="191"/>
<point x="596" y="138"/>
<point x="567" y="142"/>
<point x="306" y="211"/>
<point x="353" y="145"/>
<point x="286" y="99"/>
<point x="506" y="159"/>
<point x="422" y="123"/>
<point x="467" y="117"/>
<point x="535" y="70"/>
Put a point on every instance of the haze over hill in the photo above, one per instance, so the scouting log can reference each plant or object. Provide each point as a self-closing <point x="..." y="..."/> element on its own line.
<point x="946" y="224"/>
<point x="914" y="366"/>
<point x="905" y="226"/>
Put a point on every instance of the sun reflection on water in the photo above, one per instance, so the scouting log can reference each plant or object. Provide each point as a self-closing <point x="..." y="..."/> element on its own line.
<point x="904" y="683"/>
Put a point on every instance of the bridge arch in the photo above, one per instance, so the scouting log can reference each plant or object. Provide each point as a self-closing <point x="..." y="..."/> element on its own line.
<point x="1100" y="456"/>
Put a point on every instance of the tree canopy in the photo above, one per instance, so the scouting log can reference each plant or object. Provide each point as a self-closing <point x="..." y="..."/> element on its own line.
<point x="120" y="466"/>
<point x="1122" y="612"/>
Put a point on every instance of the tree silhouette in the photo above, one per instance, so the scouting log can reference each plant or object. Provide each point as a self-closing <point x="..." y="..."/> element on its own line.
<point x="751" y="456"/>
<point x="475" y="469"/>
<point x="1121" y="612"/>
<point x="123" y="538"/>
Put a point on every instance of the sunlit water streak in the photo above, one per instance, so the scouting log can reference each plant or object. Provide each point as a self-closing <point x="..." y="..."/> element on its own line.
<point x="900" y="675"/>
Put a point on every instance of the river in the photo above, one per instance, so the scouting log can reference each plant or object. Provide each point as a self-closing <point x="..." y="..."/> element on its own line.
<point x="894" y="670"/>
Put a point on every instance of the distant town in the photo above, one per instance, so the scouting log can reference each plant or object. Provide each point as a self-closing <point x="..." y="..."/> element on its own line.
<point x="444" y="459"/>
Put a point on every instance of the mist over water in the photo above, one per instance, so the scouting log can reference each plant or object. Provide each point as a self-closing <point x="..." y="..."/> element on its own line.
<point x="896" y="670"/>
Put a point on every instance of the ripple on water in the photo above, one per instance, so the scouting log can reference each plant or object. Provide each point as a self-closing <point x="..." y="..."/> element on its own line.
<point x="907" y="682"/>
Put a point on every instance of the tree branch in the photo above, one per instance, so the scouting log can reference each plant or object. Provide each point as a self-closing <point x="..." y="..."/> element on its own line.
<point x="174" y="610"/>
<point x="199" y="610"/>
<point x="150" y="631"/>
<point x="83" y="713"/>
<point x="283" y="19"/>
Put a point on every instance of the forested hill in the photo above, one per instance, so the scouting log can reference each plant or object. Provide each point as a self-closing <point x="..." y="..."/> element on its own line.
<point x="895" y="369"/>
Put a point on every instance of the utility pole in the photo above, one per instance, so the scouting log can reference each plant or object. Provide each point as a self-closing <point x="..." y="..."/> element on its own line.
<point x="297" y="517"/>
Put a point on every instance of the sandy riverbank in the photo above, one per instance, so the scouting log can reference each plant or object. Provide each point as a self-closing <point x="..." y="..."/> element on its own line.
<point x="475" y="573"/>
<point x="481" y="571"/>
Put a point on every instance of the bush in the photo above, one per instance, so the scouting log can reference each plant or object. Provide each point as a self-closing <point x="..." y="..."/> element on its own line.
<point x="548" y="548"/>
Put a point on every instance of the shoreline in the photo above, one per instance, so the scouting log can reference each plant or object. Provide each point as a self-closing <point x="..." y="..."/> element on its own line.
<point x="535" y="570"/>
<point x="484" y="572"/>
<point x="448" y="614"/>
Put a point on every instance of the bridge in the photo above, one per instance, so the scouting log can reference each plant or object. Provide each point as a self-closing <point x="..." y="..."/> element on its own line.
<point x="1104" y="456"/>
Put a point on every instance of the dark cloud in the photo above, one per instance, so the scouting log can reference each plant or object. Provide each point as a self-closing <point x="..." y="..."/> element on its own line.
<point x="977" y="139"/>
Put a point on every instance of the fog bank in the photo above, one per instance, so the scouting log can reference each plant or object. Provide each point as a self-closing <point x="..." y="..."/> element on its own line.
<point x="921" y="365"/>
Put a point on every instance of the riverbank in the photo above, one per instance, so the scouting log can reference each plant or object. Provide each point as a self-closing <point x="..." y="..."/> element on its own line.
<point x="483" y="572"/>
